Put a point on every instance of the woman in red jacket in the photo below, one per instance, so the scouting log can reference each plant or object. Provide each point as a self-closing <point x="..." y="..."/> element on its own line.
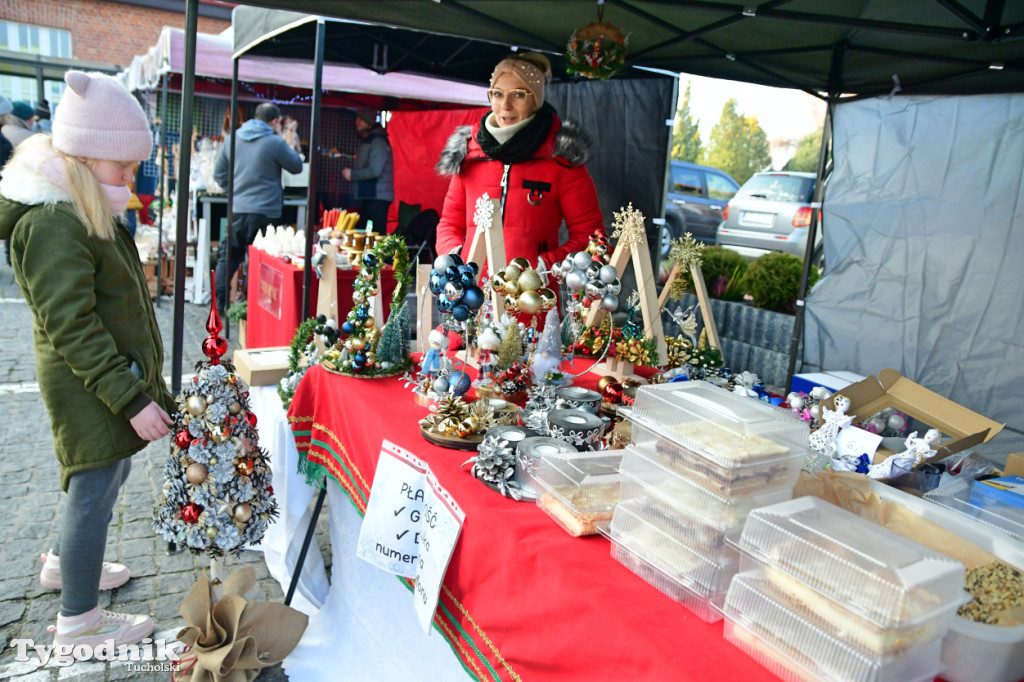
<point x="523" y="153"/>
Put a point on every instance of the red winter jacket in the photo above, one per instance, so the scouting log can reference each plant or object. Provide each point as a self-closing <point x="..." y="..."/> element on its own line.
<point x="541" y="192"/>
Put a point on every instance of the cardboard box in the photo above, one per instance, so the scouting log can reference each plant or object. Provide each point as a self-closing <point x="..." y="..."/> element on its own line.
<point x="1014" y="465"/>
<point x="833" y="381"/>
<point x="891" y="389"/>
<point x="262" y="366"/>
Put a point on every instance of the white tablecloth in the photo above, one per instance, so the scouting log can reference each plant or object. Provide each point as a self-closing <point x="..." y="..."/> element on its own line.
<point x="362" y="626"/>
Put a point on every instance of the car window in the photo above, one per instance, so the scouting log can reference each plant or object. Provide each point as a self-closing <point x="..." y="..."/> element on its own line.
<point x="686" y="181"/>
<point x="720" y="187"/>
<point x="778" y="187"/>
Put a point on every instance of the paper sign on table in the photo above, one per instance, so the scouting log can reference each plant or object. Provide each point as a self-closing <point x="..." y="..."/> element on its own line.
<point x="854" y="442"/>
<point x="390" y="537"/>
<point x="442" y="523"/>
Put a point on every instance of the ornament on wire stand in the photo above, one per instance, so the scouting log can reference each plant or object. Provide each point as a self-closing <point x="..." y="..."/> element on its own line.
<point x="214" y="431"/>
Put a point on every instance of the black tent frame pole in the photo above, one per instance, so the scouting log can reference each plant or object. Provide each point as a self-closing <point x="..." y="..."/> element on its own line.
<point x="163" y="189"/>
<point x="306" y="541"/>
<point x="188" y="83"/>
<point x="312" y="209"/>
<point x="232" y="128"/>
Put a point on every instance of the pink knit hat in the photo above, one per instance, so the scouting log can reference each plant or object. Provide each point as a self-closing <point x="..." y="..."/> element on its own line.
<point x="99" y="119"/>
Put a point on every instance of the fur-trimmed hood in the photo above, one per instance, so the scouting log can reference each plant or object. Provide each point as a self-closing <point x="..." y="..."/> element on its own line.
<point x="23" y="188"/>
<point x="571" y="143"/>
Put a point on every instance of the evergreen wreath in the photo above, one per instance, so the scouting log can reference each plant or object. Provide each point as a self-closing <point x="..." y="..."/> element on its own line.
<point x="299" y="360"/>
<point x="597" y="51"/>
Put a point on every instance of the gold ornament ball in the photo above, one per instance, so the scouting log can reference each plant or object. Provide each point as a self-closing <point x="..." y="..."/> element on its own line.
<point x="633" y="382"/>
<point x="196" y="405"/>
<point x="530" y="302"/>
<point x="604" y="381"/>
<point x="510" y="303"/>
<point x="467" y="426"/>
<point x="548" y="298"/>
<point x="220" y="434"/>
<point x="530" y="281"/>
<point x="264" y="516"/>
<point x="213" y="461"/>
<point x="369" y="322"/>
<point x="357" y="343"/>
<point x="195" y="473"/>
<point x="498" y="282"/>
<point x="512" y="287"/>
<point x="245" y="465"/>
<point x="211" y="532"/>
<point x="520" y="263"/>
<point x="512" y="273"/>
<point x="234" y="407"/>
<point x="242" y="512"/>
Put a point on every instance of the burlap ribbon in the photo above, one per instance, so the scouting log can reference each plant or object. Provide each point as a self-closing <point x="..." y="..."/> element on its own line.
<point x="232" y="640"/>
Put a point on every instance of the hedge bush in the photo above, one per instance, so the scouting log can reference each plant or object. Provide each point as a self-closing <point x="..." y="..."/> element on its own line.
<point x="773" y="281"/>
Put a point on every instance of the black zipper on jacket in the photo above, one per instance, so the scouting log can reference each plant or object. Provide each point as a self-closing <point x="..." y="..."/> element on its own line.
<point x="504" y="192"/>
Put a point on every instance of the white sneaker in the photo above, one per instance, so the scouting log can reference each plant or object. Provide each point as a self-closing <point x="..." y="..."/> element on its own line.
<point x="97" y="627"/>
<point x="113" y="574"/>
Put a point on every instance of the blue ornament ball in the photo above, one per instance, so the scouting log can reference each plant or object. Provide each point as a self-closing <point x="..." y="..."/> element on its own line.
<point x="369" y="260"/>
<point x="437" y="282"/>
<point x="475" y="267"/>
<point x="461" y="312"/>
<point x="362" y="312"/>
<point x="457" y="259"/>
<point x="347" y="327"/>
<point x="444" y="304"/>
<point x="452" y="273"/>
<point x="458" y="383"/>
<point x="473" y="297"/>
<point x="359" y="359"/>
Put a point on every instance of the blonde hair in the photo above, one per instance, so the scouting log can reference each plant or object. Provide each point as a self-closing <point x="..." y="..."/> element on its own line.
<point x="87" y="195"/>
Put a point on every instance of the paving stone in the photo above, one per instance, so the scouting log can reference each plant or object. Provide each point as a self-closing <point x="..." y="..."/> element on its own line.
<point x="14" y="588"/>
<point x="136" y="589"/>
<point x="176" y="583"/>
<point x="11" y="611"/>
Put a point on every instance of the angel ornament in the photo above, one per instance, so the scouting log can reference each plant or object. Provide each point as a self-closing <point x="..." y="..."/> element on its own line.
<point x="824" y="439"/>
<point x="920" y="449"/>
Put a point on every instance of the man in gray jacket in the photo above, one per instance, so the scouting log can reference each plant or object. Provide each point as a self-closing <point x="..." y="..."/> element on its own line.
<point x="258" y="196"/>
<point x="374" y="172"/>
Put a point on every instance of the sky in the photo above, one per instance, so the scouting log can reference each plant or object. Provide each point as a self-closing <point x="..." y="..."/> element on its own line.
<point x="782" y="114"/>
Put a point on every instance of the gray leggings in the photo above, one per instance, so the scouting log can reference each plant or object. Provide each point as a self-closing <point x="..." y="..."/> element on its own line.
<point x="82" y="534"/>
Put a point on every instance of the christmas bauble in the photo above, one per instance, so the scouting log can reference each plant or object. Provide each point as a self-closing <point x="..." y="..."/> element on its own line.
<point x="211" y="532"/>
<point x="461" y="312"/>
<point x="548" y="298"/>
<point x="443" y="262"/>
<point x="459" y="382"/>
<point x="357" y="343"/>
<point x="593" y="270"/>
<point x="608" y="274"/>
<point x="604" y="381"/>
<point x="530" y="281"/>
<point x="437" y="282"/>
<point x="609" y="302"/>
<point x="453" y="290"/>
<point x="359" y="359"/>
<point x="576" y="280"/>
<point x="251" y="418"/>
<point x="195" y="404"/>
<point x="369" y="259"/>
<point x="612" y="393"/>
<point x="242" y="512"/>
<point x="594" y="289"/>
<point x="347" y="327"/>
<point x="195" y="473"/>
<point x="473" y="297"/>
<point x="582" y="260"/>
<point x="183" y="439"/>
<point x="530" y="302"/>
<point x="897" y="422"/>
<point x="498" y="282"/>
<point x="219" y="434"/>
<point x="245" y="465"/>
<point x="440" y="385"/>
<point x="613" y="287"/>
<point x="234" y="407"/>
<point x="511" y="287"/>
<point x="190" y="512"/>
<point x="467" y="426"/>
<point x="214" y="346"/>
<point x="520" y="263"/>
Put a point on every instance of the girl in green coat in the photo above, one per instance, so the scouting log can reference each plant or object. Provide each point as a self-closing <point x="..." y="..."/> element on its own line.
<point x="98" y="351"/>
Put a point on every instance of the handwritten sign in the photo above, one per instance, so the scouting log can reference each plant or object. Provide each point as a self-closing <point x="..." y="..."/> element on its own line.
<point x="442" y="523"/>
<point x="853" y="442"/>
<point x="390" y="534"/>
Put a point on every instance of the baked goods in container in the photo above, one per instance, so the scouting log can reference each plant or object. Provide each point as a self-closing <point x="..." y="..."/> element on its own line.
<point x="576" y="524"/>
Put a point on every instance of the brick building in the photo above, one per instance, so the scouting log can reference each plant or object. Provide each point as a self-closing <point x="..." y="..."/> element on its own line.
<point x="103" y="34"/>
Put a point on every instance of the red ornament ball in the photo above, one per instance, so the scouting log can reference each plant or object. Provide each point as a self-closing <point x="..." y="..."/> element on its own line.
<point x="183" y="439"/>
<point x="190" y="512"/>
<point x="612" y="393"/>
<point x="251" y="418"/>
<point x="214" y="347"/>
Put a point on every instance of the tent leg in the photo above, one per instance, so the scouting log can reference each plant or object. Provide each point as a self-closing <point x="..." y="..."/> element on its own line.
<point x="312" y="209"/>
<point x="232" y="127"/>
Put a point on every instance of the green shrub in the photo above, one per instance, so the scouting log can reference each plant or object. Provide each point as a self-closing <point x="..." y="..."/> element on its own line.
<point x="238" y="311"/>
<point x="773" y="281"/>
<point x="723" y="272"/>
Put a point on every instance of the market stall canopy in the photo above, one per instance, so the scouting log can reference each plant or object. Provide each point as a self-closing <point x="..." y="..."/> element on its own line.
<point x="213" y="60"/>
<point x="837" y="46"/>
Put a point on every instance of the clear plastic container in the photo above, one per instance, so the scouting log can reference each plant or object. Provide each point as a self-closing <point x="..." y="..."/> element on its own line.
<point x="835" y="618"/>
<point x="689" y="498"/>
<point x="582" y="481"/>
<point x="728" y="429"/>
<point x="882" y="576"/>
<point x="956" y="495"/>
<point x="678" y="561"/>
<point x="686" y="527"/>
<point x="704" y="604"/>
<point x="728" y="479"/>
<point x="794" y="648"/>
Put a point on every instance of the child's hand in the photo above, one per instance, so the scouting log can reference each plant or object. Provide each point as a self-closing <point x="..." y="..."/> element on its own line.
<point x="152" y="422"/>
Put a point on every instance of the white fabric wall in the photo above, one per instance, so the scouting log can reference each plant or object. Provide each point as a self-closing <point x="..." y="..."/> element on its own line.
<point x="924" y="243"/>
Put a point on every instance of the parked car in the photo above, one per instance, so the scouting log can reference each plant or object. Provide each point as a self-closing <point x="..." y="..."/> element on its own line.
<point x="771" y="212"/>
<point x="697" y="196"/>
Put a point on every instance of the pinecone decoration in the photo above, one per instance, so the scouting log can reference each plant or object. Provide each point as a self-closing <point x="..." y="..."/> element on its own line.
<point x="494" y="465"/>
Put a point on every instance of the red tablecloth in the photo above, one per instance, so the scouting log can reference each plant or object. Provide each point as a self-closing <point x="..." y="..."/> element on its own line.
<point x="521" y="599"/>
<point x="274" y="293"/>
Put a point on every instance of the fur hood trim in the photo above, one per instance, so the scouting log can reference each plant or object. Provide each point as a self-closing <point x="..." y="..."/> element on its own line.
<point x="28" y="186"/>
<point x="571" y="144"/>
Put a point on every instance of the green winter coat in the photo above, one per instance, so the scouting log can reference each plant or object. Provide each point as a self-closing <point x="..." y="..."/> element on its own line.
<point x="93" y="326"/>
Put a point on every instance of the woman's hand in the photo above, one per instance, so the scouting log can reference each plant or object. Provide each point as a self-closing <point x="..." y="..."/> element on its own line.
<point x="346" y="173"/>
<point x="151" y="423"/>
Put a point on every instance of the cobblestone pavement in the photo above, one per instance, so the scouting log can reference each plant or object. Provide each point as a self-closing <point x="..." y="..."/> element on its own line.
<point x="29" y="496"/>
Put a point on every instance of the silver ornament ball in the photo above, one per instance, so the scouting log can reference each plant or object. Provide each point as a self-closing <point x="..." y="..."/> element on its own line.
<point x="576" y="280"/>
<point x="608" y="274"/>
<point x="609" y="302"/>
<point x="581" y="260"/>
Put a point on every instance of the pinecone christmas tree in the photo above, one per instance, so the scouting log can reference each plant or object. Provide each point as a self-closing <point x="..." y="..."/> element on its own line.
<point x="217" y="495"/>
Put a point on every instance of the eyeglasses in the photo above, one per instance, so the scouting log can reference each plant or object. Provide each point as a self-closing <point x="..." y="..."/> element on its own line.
<point x="518" y="95"/>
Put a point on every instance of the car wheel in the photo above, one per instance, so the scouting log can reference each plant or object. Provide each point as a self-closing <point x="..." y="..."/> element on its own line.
<point x="675" y="228"/>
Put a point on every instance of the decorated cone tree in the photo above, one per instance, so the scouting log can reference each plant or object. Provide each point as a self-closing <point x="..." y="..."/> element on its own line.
<point x="217" y="495"/>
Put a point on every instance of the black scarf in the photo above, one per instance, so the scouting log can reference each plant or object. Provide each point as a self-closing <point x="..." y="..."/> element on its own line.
<point x="523" y="144"/>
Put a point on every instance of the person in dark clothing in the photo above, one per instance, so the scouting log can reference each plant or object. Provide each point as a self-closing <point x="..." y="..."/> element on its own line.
<point x="258" y="197"/>
<point x="374" y="172"/>
<point x="6" y="149"/>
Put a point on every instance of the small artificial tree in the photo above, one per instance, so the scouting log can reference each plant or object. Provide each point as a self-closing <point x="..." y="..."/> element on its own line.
<point x="393" y="347"/>
<point x="511" y="349"/>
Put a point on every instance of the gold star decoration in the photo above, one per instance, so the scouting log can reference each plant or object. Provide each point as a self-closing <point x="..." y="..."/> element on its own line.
<point x="628" y="225"/>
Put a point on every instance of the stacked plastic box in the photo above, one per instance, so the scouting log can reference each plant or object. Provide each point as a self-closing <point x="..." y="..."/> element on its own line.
<point x="702" y="458"/>
<point x="959" y="496"/>
<point x="823" y="594"/>
<point x="579" y="489"/>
